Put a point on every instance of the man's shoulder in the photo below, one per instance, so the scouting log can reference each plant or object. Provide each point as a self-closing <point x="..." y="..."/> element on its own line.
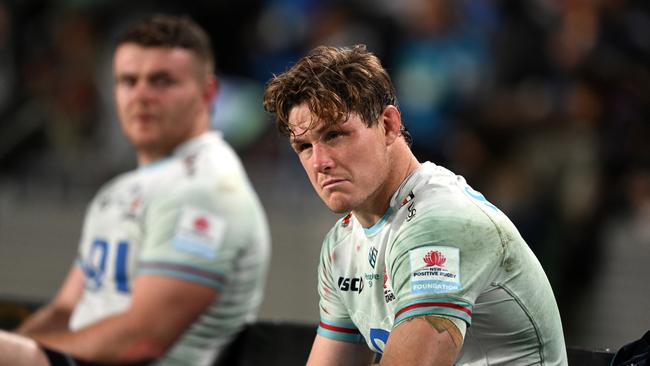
<point x="445" y="196"/>
<point x="210" y="155"/>
<point x="120" y="182"/>
<point x="340" y="232"/>
<point x="204" y="177"/>
<point x="441" y="209"/>
<point x="203" y="165"/>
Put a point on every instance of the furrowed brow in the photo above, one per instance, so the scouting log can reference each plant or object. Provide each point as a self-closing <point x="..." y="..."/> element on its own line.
<point x="297" y="140"/>
<point x="316" y="131"/>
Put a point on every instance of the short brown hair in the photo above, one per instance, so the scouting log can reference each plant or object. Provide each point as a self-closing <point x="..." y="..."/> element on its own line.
<point x="171" y="32"/>
<point x="334" y="82"/>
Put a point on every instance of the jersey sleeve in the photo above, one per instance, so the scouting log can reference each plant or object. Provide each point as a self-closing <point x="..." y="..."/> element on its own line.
<point x="335" y="322"/>
<point x="439" y="264"/>
<point x="192" y="235"/>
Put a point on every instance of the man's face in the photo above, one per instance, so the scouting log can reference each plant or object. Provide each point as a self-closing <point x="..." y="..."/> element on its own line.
<point x="160" y="94"/>
<point x="347" y="164"/>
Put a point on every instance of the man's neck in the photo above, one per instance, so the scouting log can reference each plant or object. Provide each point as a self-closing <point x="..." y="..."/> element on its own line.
<point x="150" y="155"/>
<point x="378" y="205"/>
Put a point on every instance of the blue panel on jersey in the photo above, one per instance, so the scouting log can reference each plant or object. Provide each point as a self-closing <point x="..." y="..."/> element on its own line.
<point x="480" y="197"/>
<point x="378" y="335"/>
<point x="433" y="286"/>
<point x="194" y="247"/>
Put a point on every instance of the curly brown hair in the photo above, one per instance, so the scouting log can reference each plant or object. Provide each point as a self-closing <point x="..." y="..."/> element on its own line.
<point x="334" y="82"/>
<point x="170" y="31"/>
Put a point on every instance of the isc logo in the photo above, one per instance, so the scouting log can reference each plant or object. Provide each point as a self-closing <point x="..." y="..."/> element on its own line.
<point x="351" y="284"/>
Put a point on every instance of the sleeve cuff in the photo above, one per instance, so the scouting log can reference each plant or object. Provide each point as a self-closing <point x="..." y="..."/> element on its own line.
<point x="339" y="331"/>
<point x="435" y="306"/>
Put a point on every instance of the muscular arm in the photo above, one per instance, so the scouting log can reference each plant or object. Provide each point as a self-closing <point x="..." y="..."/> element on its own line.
<point x="326" y="352"/>
<point x="54" y="316"/>
<point x="161" y="309"/>
<point x="426" y="340"/>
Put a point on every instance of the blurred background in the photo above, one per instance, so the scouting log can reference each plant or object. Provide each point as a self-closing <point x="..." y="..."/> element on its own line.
<point x="543" y="105"/>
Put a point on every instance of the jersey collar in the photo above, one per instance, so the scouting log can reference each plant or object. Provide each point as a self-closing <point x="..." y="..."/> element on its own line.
<point x="404" y="192"/>
<point x="402" y="196"/>
<point x="193" y="145"/>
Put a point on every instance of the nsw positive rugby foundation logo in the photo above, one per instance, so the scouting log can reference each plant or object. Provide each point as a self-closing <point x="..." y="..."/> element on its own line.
<point x="435" y="269"/>
<point x="199" y="232"/>
<point x="434" y="258"/>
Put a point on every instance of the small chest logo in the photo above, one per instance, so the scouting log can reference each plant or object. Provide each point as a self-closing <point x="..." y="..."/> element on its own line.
<point x="385" y="279"/>
<point x="411" y="213"/>
<point x="190" y="164"/>
<point x="132" y="204"/>
<point x="346" y="220"/>
<point x="388" y="293"/>
<point x="372" y="257"/>
<point x="409" y="200"/>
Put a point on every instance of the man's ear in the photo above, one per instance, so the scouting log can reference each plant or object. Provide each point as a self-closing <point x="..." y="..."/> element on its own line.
<point x="392" y="121"/>
<point x="210" y="89"/>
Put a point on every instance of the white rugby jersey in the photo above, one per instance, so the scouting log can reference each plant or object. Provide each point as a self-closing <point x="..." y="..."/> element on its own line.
<point x="192" y="216"/>
<point x="441" y="249"/>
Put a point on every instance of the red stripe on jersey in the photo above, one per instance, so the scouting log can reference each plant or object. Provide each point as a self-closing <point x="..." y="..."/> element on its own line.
<point x="441" y="304"/>
<point x="338" y="329"/>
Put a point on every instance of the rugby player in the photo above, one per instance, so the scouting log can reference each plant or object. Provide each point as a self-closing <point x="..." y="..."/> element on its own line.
<point x="422" y="269"/>
<point x="173" y="255"/>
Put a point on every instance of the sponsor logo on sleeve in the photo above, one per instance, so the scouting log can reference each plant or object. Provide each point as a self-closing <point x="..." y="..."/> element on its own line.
<point x="435" y="269"/>
<point x="199" y="232"/>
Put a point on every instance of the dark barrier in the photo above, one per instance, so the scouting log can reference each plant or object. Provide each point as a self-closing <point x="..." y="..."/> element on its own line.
<point x="278" y="343"/>
<point x="270" y="343"/>
<point x="13" y="312"/>
<point x="581" y="356"/>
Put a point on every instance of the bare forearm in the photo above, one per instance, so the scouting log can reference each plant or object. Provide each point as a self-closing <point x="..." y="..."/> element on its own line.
<point x="48" y="319"/>
<point x="116" y="339"/>
<point x="161" y="309"/>
<point x="54" y="316"/>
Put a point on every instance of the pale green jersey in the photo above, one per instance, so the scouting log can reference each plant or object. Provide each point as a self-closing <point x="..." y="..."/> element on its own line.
<point x="193" y="216"/>
<point x="440" y="249"/>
